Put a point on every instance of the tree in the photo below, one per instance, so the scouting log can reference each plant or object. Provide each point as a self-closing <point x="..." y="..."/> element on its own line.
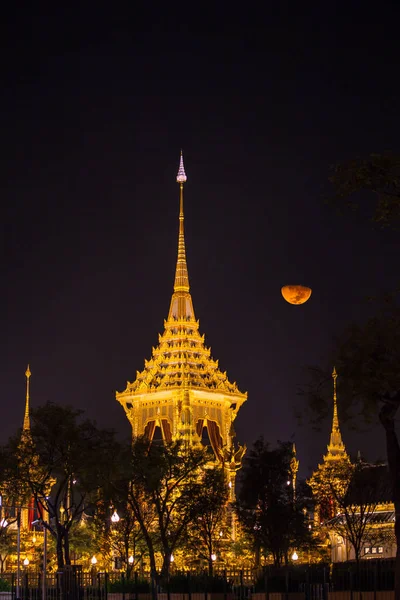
<point x="204" y="533"/>
<point x="165" y="493"/>
<point x="367" y="357"/>
<point x="268" y="508"/>
<point x="63" y="461"/>
<point x="7" y="543"/>
<point x="368" y="354"/>
<point x="378" y="174"/>
<point x="356" y="491"/>
<point x="117" y="532"/>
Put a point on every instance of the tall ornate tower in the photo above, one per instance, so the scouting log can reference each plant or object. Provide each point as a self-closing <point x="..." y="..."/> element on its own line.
<point x="27" y="511"/>
<point x="334" y="471"/>
<point x="336" y="449"/>
<point x="181" y="389"/>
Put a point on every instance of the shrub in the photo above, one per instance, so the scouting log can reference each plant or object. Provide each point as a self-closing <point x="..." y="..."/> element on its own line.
<point x="4" y="586"/>
<point x="129" y="586"/>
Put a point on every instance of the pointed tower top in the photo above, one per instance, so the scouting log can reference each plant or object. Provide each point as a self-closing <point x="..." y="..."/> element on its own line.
<point x="27" y="423"/>
<point x="181" y="303"/>
<point x="181" y="177"/>
<point x="336" y="447"/>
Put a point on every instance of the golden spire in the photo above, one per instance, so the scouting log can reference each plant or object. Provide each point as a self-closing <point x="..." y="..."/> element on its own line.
<point x="27" y="423"/>
<point x="336" y="447"/>
<point x="181" y="274"/>
<point x="294" y="467"/>
<point x="181" y="303"/>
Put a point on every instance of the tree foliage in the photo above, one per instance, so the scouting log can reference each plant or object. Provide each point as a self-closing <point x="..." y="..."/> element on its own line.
<point x="268" y="508"/>
<point x="207" y="529"/>
<point x="355" y="491"/>
<point x="62" y="463"/>
<point x="165" y="492"/>
<point x="378" y="174"/>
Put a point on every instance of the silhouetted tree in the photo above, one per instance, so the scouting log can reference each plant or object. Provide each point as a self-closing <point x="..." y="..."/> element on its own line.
<point x="63" y="461"/>
<point x="268" y="508"/>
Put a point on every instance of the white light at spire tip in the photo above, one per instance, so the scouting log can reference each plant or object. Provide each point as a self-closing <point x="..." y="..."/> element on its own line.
<point x="181" y="177"/>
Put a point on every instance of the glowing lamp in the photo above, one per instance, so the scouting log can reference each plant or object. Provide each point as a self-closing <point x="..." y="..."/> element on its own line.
<point x="26" y="562"/>
<point x="93" y="560"/>
<point x="295" y="556"/>
<point x="115" y="517"/>
<point x="130" y="560"/>
<point x="296" y="294"/>
<point x="213" y="557"/>
<point x="171" y="558"/>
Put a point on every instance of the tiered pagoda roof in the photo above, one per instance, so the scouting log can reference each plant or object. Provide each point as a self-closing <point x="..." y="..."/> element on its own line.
<point x="181" y="357"/>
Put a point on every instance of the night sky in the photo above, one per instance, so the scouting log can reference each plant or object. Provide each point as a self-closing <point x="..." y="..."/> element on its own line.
<point x="95" y="108"/>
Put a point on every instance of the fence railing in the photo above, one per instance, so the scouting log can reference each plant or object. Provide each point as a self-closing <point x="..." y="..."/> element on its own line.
<point x="297" y="582"/>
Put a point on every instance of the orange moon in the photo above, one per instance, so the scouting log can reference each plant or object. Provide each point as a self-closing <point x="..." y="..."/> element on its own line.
<point x="296" y="294"/>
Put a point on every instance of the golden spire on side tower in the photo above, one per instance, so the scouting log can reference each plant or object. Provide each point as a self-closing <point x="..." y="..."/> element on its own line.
<point x="336" y="447"/>
<point x="27" y="423"/>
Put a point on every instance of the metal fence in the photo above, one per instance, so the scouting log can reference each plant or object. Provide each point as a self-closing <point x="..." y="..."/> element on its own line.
<point x="312" y="582"/>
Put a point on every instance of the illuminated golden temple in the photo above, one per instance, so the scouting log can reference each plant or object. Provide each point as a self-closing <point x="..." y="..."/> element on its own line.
<point x="181" y="389"/>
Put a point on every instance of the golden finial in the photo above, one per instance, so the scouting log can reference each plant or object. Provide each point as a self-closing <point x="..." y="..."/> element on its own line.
<point x="27" y="424"/>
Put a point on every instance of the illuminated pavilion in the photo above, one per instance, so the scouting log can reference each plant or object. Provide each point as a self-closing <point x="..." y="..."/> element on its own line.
<point x="181" y="389"/>
<point x="333" y="461"/>
<point x="379" y="541"/>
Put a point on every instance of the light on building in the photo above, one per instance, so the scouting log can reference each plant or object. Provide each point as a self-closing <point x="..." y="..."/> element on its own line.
<point x="130" y="560"/>
<point x="93" y="560"/>
<point x="115" y="517"/>
<point x="213" y="557"/>
<point x="295" y="556"/>
<point x="26" y="562"/>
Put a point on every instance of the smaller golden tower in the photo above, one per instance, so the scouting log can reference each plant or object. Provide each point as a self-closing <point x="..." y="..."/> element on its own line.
<point x="26" y="512"/>
<point x="336" y="448"/>
<point x="334" y="471"/>
<point x="27" y="422"/>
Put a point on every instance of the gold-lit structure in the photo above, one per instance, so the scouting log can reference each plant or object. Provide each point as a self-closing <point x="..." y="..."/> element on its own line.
<point x="329" y="473"/>
<point x="330" y="480"/>
<point x="181" y="389"/>
<point x="296" y="294"/>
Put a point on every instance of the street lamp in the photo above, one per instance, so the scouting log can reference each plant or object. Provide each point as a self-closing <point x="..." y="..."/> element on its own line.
<point x="115" y="517"/>
<point x="26" y="562"/>
<point x="213" y="557"/>
<point x="130" y="560"/>
<point x="93" y="560"/>
<point x="44" y="574"/>
<point x="295" y="556"/>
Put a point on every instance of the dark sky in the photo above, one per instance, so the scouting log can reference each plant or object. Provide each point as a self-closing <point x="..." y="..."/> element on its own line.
<point x="95" y="108"/>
